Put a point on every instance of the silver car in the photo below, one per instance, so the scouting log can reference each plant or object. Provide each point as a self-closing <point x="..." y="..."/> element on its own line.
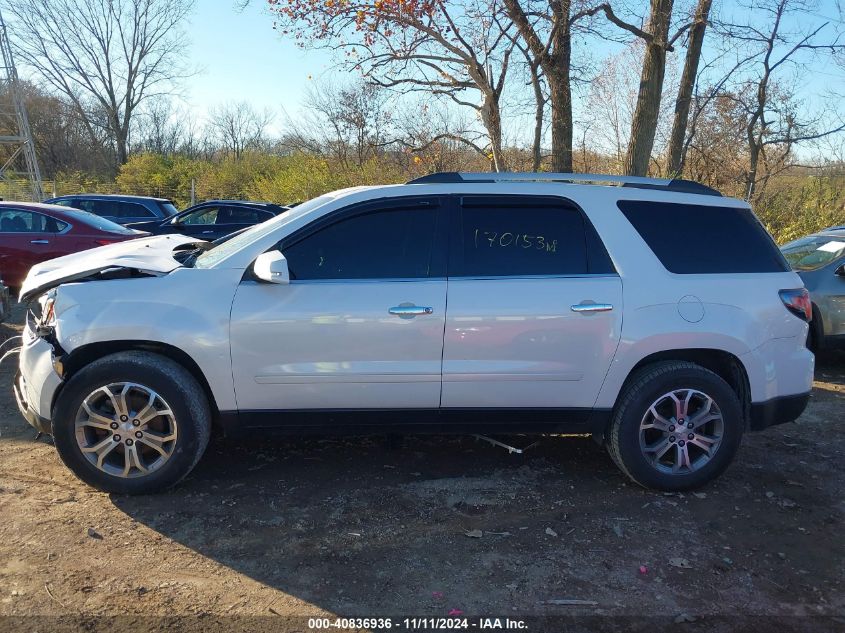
<point x="820" y="261"/>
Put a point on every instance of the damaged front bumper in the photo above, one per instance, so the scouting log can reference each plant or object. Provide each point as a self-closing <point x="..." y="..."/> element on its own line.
<point x="40" y="424"/>
<point x="37" y="381"/>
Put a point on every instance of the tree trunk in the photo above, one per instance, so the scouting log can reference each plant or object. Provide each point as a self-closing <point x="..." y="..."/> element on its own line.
<point x="539" y="112"/>
<point x="491" y="117"/>
<point x="560" y="91"/>
<point x="556" y="64"/>
<point x="682" y="104"/>
<point x="561" y="98"/>
<point x="644" y="125"/>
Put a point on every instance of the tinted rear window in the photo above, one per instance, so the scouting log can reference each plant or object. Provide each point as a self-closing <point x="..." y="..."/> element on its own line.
<point x="97" y="222"/>
<point x="697" y="239"/>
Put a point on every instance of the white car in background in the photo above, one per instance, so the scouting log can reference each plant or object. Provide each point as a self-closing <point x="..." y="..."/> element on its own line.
<point x="657" y="315"/>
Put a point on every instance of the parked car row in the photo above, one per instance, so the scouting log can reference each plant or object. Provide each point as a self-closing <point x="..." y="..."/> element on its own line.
<point x="32" y="233"/>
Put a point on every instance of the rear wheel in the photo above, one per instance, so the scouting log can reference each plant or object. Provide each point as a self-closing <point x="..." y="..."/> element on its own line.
<point x="676" y="426"/>
<point x="131" y="423"/>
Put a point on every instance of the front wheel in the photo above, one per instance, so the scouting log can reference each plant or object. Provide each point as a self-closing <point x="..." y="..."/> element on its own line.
<point x="131" y="423"/>
<point x="676" y="426"/>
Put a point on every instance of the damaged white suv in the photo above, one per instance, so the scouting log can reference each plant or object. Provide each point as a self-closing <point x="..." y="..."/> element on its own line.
<point x="657" y="316"/>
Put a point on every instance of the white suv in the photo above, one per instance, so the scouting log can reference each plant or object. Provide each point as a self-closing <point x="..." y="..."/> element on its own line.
<point x="657" y="316"/>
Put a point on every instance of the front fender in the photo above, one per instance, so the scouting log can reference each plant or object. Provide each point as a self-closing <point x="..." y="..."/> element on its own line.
<point x="188" y="309"/>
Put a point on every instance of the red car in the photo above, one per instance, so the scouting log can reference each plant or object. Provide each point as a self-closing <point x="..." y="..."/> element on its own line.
<point x="31" y="233"/>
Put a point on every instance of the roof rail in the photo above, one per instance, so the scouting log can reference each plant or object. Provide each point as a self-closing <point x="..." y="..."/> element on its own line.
<point x="640" y="182"/>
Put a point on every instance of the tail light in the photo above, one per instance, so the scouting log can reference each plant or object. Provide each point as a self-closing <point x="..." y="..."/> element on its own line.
<point x="798" y="302"/>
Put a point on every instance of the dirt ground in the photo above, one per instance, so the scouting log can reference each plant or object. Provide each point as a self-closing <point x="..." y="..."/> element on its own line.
<point x="366" y="527"/>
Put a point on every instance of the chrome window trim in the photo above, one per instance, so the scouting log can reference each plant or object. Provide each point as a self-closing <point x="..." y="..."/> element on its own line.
<point x="450" y="278"/>
<point x="365" y="281"/>
<point x="501" y="277"/>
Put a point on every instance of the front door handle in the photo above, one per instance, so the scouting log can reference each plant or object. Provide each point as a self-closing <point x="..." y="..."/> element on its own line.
<point x="592" y="307"/>
<point x="410" y="311"/>
<point x="40" y="242"/>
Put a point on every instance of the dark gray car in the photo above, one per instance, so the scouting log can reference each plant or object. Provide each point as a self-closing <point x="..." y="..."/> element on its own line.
<point x="820" y="261"/>
<point x="119" y="208"/>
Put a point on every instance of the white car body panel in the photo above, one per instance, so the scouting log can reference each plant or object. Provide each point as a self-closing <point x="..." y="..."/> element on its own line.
<point x="365" y="357"/>
<point x="334" y="345"/>
<point x="515" y="342"/>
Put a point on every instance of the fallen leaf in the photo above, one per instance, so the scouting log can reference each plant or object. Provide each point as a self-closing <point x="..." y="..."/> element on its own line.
<point x="683" y="563"/>
<point x="474" y="534"/>
<point x="550" y="532"/>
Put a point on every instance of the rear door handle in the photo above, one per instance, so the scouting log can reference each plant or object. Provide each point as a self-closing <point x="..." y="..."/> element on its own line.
<point x="40" y="242"/>
<point x="410" y="311"/>
<point x="592" y="307"/>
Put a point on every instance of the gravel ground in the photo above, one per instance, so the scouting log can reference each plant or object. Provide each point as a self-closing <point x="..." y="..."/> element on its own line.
<point x="270" y="528"/>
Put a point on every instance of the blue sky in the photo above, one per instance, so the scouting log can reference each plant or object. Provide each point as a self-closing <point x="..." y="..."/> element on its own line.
<point x="241" y="58"/>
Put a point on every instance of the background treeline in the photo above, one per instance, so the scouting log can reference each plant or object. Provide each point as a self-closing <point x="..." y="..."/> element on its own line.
<point x="746" y="98"/>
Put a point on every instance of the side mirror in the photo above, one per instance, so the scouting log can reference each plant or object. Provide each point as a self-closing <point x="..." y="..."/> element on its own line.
<point x="840" y="271"/>
<point x="272" y="267"/>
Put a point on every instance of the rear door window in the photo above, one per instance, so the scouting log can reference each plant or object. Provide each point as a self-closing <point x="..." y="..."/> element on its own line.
<point x="241" y="215"/>
<point x="501" y="236"/>
<point x="693" y="239"/>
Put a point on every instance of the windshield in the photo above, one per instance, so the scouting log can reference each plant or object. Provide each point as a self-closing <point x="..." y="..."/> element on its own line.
<point x="226" y="248"/>
<point x="97" y="222"/>
<point x="812" y="253"/>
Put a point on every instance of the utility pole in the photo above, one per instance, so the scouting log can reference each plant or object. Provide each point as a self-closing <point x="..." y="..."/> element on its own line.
<point x="18" y="165"/>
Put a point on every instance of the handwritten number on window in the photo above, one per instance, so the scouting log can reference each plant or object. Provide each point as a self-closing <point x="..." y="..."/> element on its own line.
<point x="507" y="239"/>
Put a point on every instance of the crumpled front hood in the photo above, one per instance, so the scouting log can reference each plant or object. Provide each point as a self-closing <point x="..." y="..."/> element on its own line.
<point x="146" y="254"/>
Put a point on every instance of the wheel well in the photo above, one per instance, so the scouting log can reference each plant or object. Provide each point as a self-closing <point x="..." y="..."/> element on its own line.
<point x="82" y="356"/>
<point x="722" y="363"/>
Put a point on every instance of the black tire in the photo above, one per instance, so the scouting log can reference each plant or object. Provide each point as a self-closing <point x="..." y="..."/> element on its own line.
<point x="172" y="382"/>
<point x="644" y="388"/>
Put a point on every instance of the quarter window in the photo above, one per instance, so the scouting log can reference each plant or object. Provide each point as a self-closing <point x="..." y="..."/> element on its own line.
<point x="387" y="243"/>
<point x="519" y="237"/>
<point x="699" y="239"/>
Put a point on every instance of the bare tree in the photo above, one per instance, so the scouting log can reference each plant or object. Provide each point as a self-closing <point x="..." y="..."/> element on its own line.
<point x="546" y="28"/>
<point x="160" y="128"/>
<point x="350" y="123"/>
<point x="430" y="47"/>
<point x="655" y="35"/>
<point x="239" y="127"/>
<point x="106" y="56"/>
<point x="685" y="90"/>
<point x="775" y="118"/>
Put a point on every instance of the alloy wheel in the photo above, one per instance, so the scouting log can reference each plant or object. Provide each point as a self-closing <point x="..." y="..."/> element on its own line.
<point x="126" y="429"/>
<point x="681" y="431"/>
